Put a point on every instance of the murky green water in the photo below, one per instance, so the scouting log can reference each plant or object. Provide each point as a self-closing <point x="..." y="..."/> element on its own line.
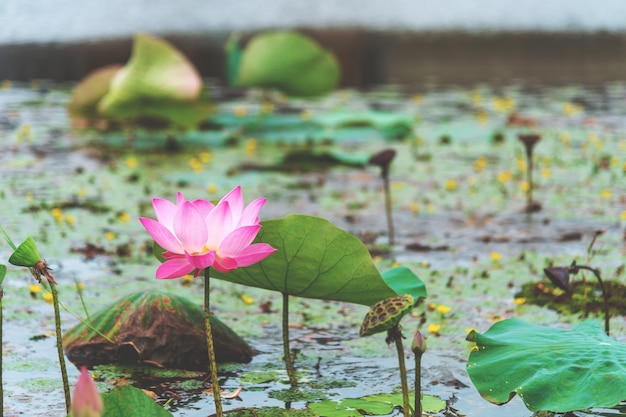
<point x="460" y="227"/>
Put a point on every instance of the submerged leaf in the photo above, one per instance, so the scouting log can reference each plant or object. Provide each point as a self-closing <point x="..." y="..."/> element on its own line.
<point x="315" y="259"/>
<point x="290" y="62"/>
<point x="153" y="328"/>
<point x="550" y="369"/>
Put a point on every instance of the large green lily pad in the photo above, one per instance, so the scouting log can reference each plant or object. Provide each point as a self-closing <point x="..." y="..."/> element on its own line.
<point x="550" y="369"/>
<point x="152" y="328"/>
<point x="315" y="259"/>
<point x="288" y="61"/>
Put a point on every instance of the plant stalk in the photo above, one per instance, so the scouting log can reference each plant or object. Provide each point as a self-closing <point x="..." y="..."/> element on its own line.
<point x="529" y="179"/>
<point x="418" y="384"/>
<point x="388" y="208"/>
<point x="406" y="408"/>
<point x="605" y="296"/>
<point x="57" y="324"/>
<point x="210" y="347"/>
<point x="291" y="371"/>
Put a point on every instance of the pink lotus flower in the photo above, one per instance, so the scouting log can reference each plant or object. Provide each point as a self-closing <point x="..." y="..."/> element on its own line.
<point x="197" y="234"/>
<point x="86" y="401"/>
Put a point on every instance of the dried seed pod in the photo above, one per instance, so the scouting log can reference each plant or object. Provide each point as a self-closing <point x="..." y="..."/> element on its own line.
<point x="386" y="314"/>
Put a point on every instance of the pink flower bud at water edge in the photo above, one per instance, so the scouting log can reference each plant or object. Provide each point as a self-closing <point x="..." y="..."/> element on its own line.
<point x="418" y="346"/>
<point x="86" y="401"/>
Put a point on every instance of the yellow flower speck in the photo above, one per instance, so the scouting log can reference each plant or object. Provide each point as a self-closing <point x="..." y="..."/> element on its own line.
<point x="47" y="297"/>
<point x="482" y="117"/>
<point x="250" y="146"/>
<point x="521" y="164"/>
<point x="450" y="185"/>
<point x="417" y="98"/>
<point x="477" y="98"/>
<point x="519" y="301"/>
<point x="196" y="165"/>
<point x="565" y="138"/>
<point x="34" y="288"/>
<point x="240" y="111"/>
<point x="434" y="328"/>
<point x="432" y="306"/>
<point x="211" y="188"/>
<point x="606" y="193"/>
<point x="480" y="163"/>
<point x="205" y="157"/>
<point x="80" y="286"/>
<point x="503" y="104"/>
<point x="504" y="176"/>
<point x="57" y="213"/>
<point x="443" y="309"/>
<point x="70" y="220"/>
<point x="546" y="173"/>
<point x="247" y="299"/>
<point x="6" y="84"/>
<point x="623" y="215"/>
<point x="495" y="256"/>
<point x="29" y="196"/>
<point x="123" y="217"/>
<point x="524" y="186"/>
<point x="131" y="162"/>
<point x="415" y="208"/>
<point x="188" y="278"/>
<point x="571" y="109"/>
<point x="109" y="235"/>
<point x="398" y="185"/>
<point x="82" y="192"/>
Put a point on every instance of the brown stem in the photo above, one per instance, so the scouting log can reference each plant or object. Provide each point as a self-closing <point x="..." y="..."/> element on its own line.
<point x="605" y="296"/>
<point x="215" y="385"/>
<point x="291" y="371"/>
<point x="397" y="335"/>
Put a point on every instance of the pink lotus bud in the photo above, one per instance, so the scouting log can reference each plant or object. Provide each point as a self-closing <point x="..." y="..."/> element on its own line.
<point x="419" y="344"/>
<point x="86" y="401"/>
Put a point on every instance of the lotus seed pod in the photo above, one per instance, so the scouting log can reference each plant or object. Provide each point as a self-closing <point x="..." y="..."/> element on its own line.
<point x="386" y="314"/>
<point x="26" y="254"/>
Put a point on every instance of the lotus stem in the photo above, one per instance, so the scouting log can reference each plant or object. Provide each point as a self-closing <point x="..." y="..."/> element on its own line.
<point x="388" y="208"/>
<point x="397" y="336"/>
<point x="57" y="324"/>
<point x="291" y="372"/>
<point x="210" y="347"/>
<point x="605" y="296"/>
<point x="418" y="384"/>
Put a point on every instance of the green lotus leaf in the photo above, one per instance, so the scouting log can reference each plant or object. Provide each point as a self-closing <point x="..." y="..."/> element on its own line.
<point x="156" y="81"/>
<point x="88" y="93"/>
<point x="550" y="369"/>
<point x="152" y="328"/>
<point x="315" y="259"/>
<point x="290" y="62"/>
<point x="128" y="401"/>
<point x="26" y="254"/>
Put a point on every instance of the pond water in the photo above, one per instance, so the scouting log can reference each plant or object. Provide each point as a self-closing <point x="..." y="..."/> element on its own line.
<point x="458" y="214"/>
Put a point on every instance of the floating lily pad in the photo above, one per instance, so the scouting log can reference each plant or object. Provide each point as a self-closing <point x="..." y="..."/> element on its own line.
<point x="378" y="404"/>
<point x="550" y="369"/>
<point x="152" y="328"/>
<point x="288" y="61"/>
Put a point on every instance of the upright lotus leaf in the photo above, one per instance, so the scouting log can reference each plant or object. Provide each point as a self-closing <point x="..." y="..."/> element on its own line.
<point x="26" y="254"/>
<point x="315" y="259"/>
<point x="550" y="369"/>
<point x="288" y="61"/>
<point x="153" y="328"/>
<point x="128" y="401"/>
<point x="88" y="93"/>
<point x="233" y="58"/>
<point x="157" y="79"/>
<point x="386" y="314"/>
